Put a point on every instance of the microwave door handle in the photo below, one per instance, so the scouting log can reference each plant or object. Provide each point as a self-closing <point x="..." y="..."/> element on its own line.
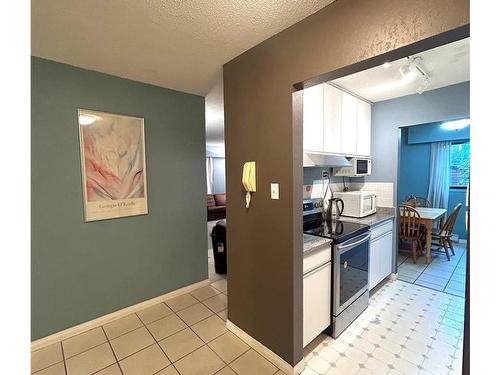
<point x="353" y="244"/>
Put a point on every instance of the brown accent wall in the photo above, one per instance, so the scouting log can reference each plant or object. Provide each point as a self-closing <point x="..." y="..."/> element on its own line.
<point x="265" y="241"/>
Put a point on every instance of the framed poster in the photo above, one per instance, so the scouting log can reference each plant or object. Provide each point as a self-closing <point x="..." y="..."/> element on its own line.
<point x="113" y="161"/>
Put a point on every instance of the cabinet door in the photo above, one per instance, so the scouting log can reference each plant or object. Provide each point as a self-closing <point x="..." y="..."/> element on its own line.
<point x="380" y="259"/>
<point x="364" y="110"/>
<point x="349" y="124"/>
<point x="313" y="118"/>
<point x="386" y="255"/>
<point x="317" y="291"/>
<point x="332" y="119"/>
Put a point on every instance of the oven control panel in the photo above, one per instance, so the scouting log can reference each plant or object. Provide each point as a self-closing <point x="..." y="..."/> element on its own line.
<point x="312" y="206"/>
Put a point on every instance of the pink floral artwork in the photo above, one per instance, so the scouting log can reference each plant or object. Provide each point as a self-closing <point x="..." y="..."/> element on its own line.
<point x="113" y="157"/>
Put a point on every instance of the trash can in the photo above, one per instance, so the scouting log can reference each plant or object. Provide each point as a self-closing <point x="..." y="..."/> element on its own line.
<point x="219" y="247"/>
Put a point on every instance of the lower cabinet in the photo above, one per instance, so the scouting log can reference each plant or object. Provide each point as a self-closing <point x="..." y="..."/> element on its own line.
<point x="316" y="301"/>
<point x="381" y="253"/>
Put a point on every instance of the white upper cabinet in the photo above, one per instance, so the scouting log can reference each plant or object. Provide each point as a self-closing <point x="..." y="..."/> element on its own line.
<point x="348" y="137"/>
<point x="364" y="120"/>
<point x="313" y="118"/>
<point x="336" y="122"/>
<point x="332" y="119"/>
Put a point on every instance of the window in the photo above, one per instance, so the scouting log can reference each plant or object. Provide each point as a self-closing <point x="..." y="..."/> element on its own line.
<point x="460" y="164"/>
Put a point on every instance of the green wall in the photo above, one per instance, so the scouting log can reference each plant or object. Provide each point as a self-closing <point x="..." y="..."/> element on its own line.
<point x="81" y="271"/>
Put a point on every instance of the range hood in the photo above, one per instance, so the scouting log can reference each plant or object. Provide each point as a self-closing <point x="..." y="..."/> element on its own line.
<point x="312" y="159"/>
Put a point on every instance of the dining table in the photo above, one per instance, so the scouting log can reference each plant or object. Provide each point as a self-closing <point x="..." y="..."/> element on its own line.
<point x="428" y="216"/>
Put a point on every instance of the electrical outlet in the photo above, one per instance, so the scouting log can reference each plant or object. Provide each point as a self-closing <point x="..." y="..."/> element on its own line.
<point x="275" y="191"/>
<point x="325" y="174"/>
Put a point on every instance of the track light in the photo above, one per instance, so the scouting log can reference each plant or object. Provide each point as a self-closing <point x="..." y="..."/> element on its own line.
<point x="411" y="69"/>
<point x="407" y="73"/>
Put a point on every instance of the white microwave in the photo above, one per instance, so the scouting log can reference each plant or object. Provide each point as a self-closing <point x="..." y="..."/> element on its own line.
<point x="358" y="203"/>
<point x="359" y="167"/>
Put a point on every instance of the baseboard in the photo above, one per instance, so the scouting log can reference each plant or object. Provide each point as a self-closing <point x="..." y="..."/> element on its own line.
<point x="266" y="352"/>
<point x="80" y="328"/>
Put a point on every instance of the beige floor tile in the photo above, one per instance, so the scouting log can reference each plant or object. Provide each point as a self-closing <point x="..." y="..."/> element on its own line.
<point x="82" y="342"/>
<point x="226" y="371"/>
<point x="90" y="361"/>
<point x="216" y="303"/>
<point x="166" y="326"/>
<point x="46" y="357"/>
<point x="252" y="363"/>
<point x="121" y="326"/>
<point x="205" y="292"/>
<point x="111" y="370"/>
<point x="180" y="344"/>
<point x="181" y="302"/>
<point x="57" y="369"/>
<point x="210" y="328"/>
<point x="193" y="314"/>
<point x="223" y="314"/>
<point x="155" y="312"/>
<point x="131" y="342"/>
<point x="228" y="347"/>
<point x="170" y="370"/>
<point x="146" y="362"/>
<point x="202" y="361"/>
<point x="220" y="285"/>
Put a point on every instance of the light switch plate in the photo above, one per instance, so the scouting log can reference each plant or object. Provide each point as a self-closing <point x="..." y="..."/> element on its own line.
<point x="275" y="191"/>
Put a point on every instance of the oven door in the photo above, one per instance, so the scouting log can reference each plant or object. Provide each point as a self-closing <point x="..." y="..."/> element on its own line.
<point x="350" y="273"/>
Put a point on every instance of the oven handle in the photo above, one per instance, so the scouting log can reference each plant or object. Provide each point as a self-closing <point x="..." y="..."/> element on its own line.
<point x="348" y="245"/>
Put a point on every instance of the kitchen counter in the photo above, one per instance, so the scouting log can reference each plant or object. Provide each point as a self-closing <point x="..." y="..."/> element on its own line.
<point x="382" y="214"/>
<point x="312" y="242"/>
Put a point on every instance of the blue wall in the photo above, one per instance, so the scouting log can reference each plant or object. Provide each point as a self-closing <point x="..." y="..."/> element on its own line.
<point x="447" y="103"/>
<point x="414" y="171"/>
<point x="414" y="168"/>
<point x="81" y="271"/>
<point x="435" y="133"/>
<point x="458" y="196"/>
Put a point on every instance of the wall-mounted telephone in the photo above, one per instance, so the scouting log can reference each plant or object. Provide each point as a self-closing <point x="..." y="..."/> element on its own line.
<point x="248" y="180"/>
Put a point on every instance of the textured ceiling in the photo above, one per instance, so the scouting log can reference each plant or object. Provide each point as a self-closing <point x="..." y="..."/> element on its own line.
<point x="445" y="65"/>
<point x="179" y="44"/>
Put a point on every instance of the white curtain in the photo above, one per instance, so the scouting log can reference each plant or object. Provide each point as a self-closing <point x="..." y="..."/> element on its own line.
<point x="210" y="175"/>
<point x="439" y="178"/>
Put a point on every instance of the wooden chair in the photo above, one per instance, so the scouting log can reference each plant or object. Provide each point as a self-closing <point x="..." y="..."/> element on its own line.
<point x="409" y="229"/>
<point x="443" y="235"/>
<point x="417" y="202"/>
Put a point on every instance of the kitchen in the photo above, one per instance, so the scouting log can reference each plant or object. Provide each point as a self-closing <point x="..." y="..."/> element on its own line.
<point x="360" y="233"/>
<point x="350" y="233"/>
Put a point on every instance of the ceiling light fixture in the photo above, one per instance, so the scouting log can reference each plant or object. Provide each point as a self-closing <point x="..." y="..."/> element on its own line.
<point x="87" y="119"/>
<point x="413" y="68"/>
<point x="456" y="124"/>
<point x="407" y="73"/>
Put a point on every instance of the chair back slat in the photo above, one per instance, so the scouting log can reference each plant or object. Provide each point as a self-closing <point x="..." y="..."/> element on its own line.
<point x="409" y="226"/>
<point x="447" y="228"/>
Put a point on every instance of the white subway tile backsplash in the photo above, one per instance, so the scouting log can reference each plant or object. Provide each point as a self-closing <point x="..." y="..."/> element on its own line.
<point x="384" y="190"/>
